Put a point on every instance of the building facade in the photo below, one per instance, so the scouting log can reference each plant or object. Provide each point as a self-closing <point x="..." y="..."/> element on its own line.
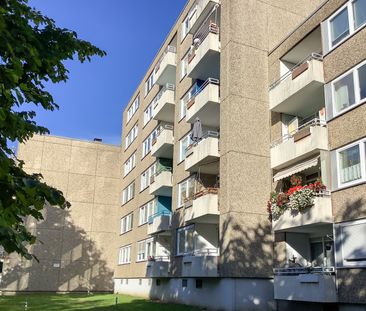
<point x="249" y="107"/>
<point x="71" y="248"/>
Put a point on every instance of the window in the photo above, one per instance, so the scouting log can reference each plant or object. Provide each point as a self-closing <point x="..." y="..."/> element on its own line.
<point x="133" y="108"/>
<point x="149" y="83"/>
<point x="348" y="90"/>
<point x="184" y="283"/>
<point x="187" y="23"/>
<point x="185" y="190"/>
<point x="193" y="91"/>
<point x="183" y="145"/>
<point x="157" y="282"/>
<point x="147" y="144"/>
<point x="146" y="177"/>
<point x="148" y="114"/>
<point x="126" y="223"/>
<point x="145" y="249"/>
<point x="130" y="164"/>
<point x="350" y="243"/>
<point x="185" y="240"/>
<point x="345" y="22"/>
<point x="351" y="164"/>
<point x="199" y="283"/>
<point x="124" y="256"/>
<point x="146" y="211"/>
<point x="131" y="136"/>
<point x="184" y="66"/>
<point x="128" y="193"/>
<point x="339" y="27"/>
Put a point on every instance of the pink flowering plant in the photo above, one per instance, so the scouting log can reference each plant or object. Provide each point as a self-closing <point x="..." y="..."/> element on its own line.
<point x="298" y="198"/>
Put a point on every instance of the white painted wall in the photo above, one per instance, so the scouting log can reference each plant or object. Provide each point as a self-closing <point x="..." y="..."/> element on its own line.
<point x="216" y="293"/>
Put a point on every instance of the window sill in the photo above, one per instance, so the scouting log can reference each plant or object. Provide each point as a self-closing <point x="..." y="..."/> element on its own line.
<point x="355" y="184"/>
<point x="348" y="109"/>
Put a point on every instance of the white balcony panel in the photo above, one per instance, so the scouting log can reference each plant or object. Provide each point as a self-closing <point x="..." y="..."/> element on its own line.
<point x="305" y="287"/>
<point x="162" y="184"/>
<point x="163" y="146"/>
<point x="204" y="209"/>
<point x="206" y="60"/>
<point x="300" y="94"/>
<point x="203" y="8"/>
<point x="159" y="224"/>
<point x="156" y="269"/>
<point x="165" y="70"/>
<point x="204" y="157"/>
<point x="206" y="106"/>
<point x="291" y="151"/>
<point x="200" y="266"/>
<point x="164" y="107"/>
<point x="318" y="214"/>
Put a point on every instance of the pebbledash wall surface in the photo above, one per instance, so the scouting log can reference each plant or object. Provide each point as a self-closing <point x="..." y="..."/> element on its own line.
<point x="76" y="247"/>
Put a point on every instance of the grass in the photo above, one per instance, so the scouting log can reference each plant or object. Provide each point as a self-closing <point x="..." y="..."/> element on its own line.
<point x="73" y="302"/>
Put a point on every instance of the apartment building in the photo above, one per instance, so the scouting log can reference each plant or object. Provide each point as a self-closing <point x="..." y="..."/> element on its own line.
<point x="316" y="99"/>
<point x="196" y="153"/>
<point x="71" y="247"/>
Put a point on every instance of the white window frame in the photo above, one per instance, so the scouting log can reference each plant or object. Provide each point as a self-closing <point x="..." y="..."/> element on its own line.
<point x="187" y="182"/>
<point x="145" y="178"/>
<point x="148" y="114"/>
<point x="130" y="164"/>
<point x="184" y="66"/>
<point x="185" y="229"/>
<point x="146" y="211"/>
<point x="351" y="24"/>
<point x="182" y="153"/>
<point x="149" y="83"/>
<point x="356" y="90"/>
<point x="128" y="193"/>
<point x="361" y="143"/>
<point x="133" y="108"/>
<point x="124" y="255"/>
<point x="131" y="136"/>
<point x="126" y="223"/>
<point x="187" y="21"/>
<point x="147" y="143"/>
<point x="146" y="250"/>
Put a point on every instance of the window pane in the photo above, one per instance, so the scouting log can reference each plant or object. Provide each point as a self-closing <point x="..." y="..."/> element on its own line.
<point x="189" y="242"/>
<point x="350" y="164"/>
<point x="339" y="27"/>
<point x="344" y="95"/>
<point x="182" y="193"/>
<point x="362" y="81"/>
<point x="359" y="9"/>
<point x="181" y="241"/>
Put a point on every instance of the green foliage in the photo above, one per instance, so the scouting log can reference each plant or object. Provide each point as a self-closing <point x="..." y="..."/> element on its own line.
<point x="32" y="52"/>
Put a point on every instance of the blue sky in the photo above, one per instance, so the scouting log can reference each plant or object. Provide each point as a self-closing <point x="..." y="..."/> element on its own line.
<point x="131" y="32"/>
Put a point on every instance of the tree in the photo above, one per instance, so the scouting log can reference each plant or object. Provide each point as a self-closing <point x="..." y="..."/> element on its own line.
<point x="32" y="52"/>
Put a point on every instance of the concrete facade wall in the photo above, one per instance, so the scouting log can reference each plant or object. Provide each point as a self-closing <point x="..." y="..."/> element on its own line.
<point x="72" y="250"/>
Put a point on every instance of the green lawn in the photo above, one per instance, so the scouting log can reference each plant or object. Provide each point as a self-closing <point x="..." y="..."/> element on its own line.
<point x="97" y="302"/>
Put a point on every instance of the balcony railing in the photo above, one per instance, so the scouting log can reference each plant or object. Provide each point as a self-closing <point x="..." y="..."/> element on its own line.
<point x="159" y="258"/>
<point x="209" y="81"/>
<point x="307" y="125"/>
<point x="303" y="270"/>
<point x="168" y="49"/>
<point x="161" y="213"/>
<point x="205" y="252"/>
<point x="297" y="69"/>
<point x="200" y="36"/>
<point x="160" y="171"/>
<point x="161" y="128"/>
<point x="214" y="134"/>
<point x="166" y="87"/>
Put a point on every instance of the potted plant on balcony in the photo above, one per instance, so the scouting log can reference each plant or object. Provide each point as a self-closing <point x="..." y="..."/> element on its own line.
<point x="298" y="198"/>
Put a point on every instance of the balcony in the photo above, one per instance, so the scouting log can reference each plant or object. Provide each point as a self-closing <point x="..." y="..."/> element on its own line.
<point x="318" y="214"/>
<point x="158" y="267"/>
<point x="204" y="208"/>
<point x="204" y="155"/>
<point x="161" y="183"/>
<point x="159" y="223"/>
<point x="162" y="145"/>
<point x="163" y="104"/>
<point x="305" y="284"/>
<point x="202" y="263"/>
<point x="305" y="141"/>
<point x="165" y="68"/>
<point x="203" y="9"/>
<point x="300" y="90"/>
<point x="205" y="104"/>
<point x="204" y="57"/>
